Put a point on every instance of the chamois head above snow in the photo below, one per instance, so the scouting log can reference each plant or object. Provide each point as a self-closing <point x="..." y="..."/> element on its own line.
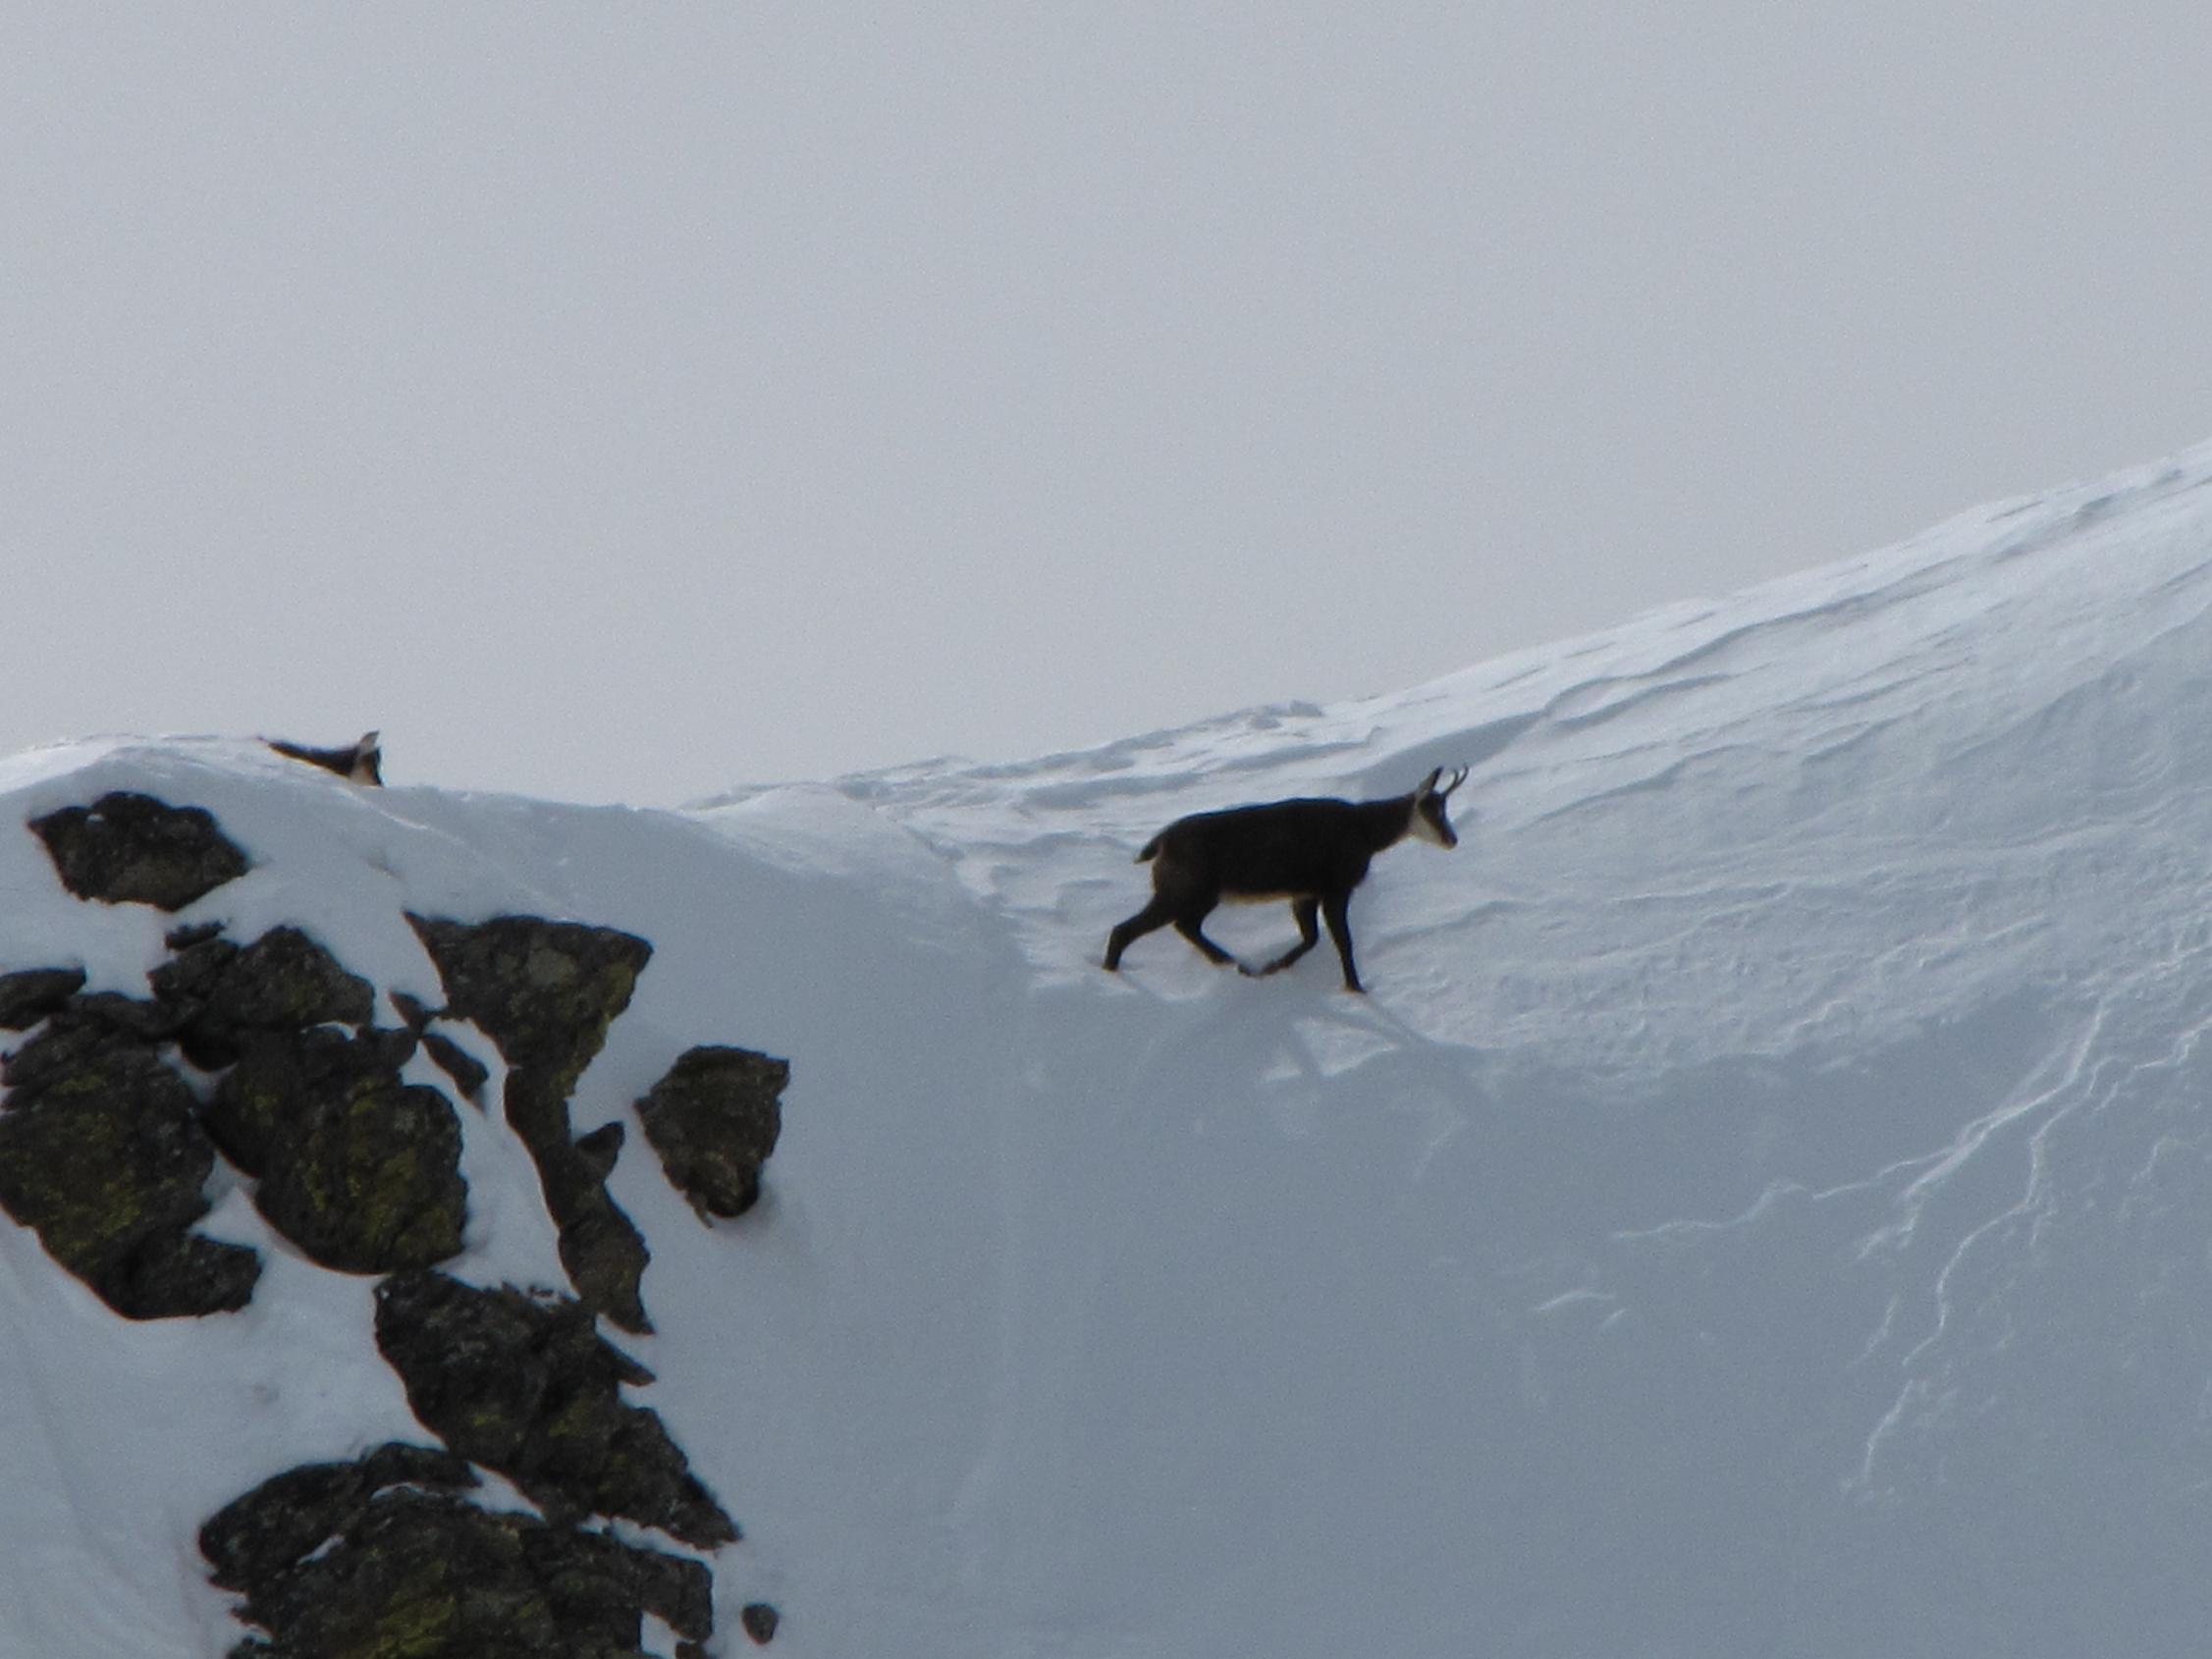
<point x="1311" y="852"/>
<point x="360" y="761"/>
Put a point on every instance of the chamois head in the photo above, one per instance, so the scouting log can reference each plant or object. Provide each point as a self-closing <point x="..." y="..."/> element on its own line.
<point x="1429" y="820"/>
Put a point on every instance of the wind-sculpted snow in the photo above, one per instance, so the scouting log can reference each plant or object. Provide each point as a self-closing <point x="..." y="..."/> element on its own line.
<point x="1760" y="1210"/>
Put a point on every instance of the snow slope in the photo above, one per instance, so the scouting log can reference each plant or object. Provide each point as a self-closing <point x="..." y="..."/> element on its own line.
<point x="1761" y="1208"/>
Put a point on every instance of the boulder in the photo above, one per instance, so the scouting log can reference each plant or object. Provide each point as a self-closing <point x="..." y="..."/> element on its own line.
<point x="525" y="1385"/>
<point x="291" y="1515"/>
<point x="102" y="1154"/>
<point x="428" y="1575"/>
<point x="128" y="848"/>
<point x="713" y="1120"/>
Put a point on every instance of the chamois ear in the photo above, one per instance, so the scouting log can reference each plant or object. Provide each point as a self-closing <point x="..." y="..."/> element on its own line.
<point x="1429" y="783"/>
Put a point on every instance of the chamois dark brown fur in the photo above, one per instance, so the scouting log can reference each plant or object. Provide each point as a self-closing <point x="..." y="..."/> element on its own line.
<point x="1312" y="852"/>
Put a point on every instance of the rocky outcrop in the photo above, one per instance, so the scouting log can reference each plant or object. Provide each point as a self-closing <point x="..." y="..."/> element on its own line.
<point x="101" y="1154"/>
<point x="220" y="994"/>
<point x="104" y="1149"/>
<point x="128" y="848"/>
<point x="525" y="1385"/>
<point x="713" y="1120"/>
<point x="265" y="1053"/>
<point x="291" y="1515"/>
<point x="546" y="993"/>
<point x="381" y="1559"/>
<point x="357" y="1168"/>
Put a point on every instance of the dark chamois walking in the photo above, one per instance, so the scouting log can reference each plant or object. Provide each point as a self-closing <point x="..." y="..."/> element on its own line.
<point x="1311" y="852"/>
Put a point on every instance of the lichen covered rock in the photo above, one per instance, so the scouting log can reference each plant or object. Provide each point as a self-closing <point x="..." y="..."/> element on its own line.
<point x="220" y="992"/>
<point x="102" y="1154"/>
<point x="525" y="1385"/>
<point x="713" y="1120"/>
<point x="546" y="993"/>
<point x="343" y="1561"/>
<point x="356" y="1167"/>
<point x="128" y="848"/>
<point x="368" y="1180"/>
<point x="289" y="1516"/>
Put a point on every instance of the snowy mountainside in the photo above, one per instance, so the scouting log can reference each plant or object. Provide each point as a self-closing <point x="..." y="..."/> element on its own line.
<point x="1761" y="1208"/>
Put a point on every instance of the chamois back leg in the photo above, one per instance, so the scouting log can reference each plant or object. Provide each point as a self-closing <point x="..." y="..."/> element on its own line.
<point x="1188" y="924"/>
<point x="1157" y="914"/>
<point x="1336" y="910"/>
<point x="1305" y="910"/>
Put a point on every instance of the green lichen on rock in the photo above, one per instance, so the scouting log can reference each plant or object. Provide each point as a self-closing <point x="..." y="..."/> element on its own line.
<point x="277" y="1071"/>
<point x="713" y="1120"/>
<point x="527" y="1386"/>
<point x="289" y="1516"/>
<point x="284" y="981"/>
<point x="104" y="1149"/>
<point x="546" y="993"/>
<point x="368" y="1181"/>
<point x="354" y="1561"/>
<point x="129" y="848"/>
<point x="357" y="1168"/>
<point x="102" y="1154"/>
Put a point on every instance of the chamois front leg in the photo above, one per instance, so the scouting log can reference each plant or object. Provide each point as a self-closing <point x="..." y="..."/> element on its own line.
<point x="1336" y="909"/>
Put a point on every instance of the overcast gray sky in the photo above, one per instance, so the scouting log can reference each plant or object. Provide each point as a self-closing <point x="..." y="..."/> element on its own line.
<point x="620" y="402"/>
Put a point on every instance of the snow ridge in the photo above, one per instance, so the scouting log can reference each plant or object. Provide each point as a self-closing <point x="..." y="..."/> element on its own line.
<point x="1758" y="1211"/>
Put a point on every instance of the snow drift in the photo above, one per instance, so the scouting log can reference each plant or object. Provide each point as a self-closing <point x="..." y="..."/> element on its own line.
<point x="1761" y="1208"/>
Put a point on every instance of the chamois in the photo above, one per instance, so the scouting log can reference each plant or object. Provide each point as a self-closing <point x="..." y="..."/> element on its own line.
<point x="1311" y="852"/>
<point x="360" y="761"/>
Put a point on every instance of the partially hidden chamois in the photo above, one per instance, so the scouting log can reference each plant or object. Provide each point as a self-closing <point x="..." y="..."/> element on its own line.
<point x="360" y="761"/>
<point x="1312" y="852"/>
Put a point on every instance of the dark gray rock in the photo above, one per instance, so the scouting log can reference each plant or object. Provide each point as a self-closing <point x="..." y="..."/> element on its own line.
<point x="289" y="1516"/>
<point x="102" y="1156"/>
<point x="285" y="981"/>
<point x="369" y="1181"/>
<point x="280" y="1075"/>
<point x="602" y="1149"/>
<point x="426" y="1574"/>
<point x="469" y="1074"/>
<point x="216" y="992"/>
<point x="129" y="848"/>
<point x="527" y="1385"/>
<point x="713" y="1120"/>
<point x="546" y="993"/>
<point x="760" y="1620"/>
<point x="29" y="995"/>
<point x="191" y="933"/>
<point x="357" y="1168"/>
